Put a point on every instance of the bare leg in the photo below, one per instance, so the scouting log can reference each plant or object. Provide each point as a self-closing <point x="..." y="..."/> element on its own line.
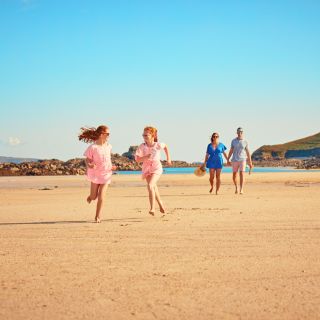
<point x="152" y="181"/>
<point x="234" y="178"/>
<point x="241" y="181"/>
<point x="93" y="192"/>
<point x="101" y="196"/>
<point x="218" y="181"/>
<point x="211" y="179"/>
<point x="162" y="209"/>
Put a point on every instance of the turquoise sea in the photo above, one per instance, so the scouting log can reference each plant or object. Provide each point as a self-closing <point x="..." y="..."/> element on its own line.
<point x="190" y="170"/>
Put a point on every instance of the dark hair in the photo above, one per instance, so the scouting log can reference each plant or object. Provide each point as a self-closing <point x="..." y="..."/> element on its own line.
<point x="213" y="135"/>
<point x="88" y="135"/>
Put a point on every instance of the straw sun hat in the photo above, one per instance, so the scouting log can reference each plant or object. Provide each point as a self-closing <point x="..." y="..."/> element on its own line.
<point x="200" y="171"/>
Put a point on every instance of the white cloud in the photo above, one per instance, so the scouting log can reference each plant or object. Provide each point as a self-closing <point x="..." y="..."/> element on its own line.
<point x="13" y="141"/>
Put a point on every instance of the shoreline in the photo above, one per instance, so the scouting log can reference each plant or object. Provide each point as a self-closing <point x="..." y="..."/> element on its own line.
<point x="173" y="171"/>
<point x="77" y="181"/>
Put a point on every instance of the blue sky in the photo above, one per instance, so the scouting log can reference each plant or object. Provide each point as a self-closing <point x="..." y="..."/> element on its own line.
<point x="186" y="67"/>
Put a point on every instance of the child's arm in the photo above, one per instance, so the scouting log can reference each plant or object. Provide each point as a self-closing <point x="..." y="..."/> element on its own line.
<point x="141" y="159"/>
<point x="89" y="163"/>
<point x="166" y="150"/>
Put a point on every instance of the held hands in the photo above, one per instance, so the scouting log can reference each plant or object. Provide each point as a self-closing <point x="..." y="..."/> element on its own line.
<point x="114" y="168"/>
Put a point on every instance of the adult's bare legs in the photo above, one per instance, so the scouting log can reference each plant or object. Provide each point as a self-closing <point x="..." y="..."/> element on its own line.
<point x="241" y="181"/>
<point x="211" y="179"/>
<point x="218" y="180"/>
<point x="234" y="178"/>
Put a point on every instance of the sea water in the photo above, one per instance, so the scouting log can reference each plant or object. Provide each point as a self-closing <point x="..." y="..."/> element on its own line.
<point x="190" y="170"/>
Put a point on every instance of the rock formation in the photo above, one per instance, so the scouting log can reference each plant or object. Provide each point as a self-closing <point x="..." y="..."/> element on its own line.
<point x="76" y="166"/>
<point x="303" y="148"/>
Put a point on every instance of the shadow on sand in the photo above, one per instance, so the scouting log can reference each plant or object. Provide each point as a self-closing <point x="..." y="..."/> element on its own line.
<point x="68" y="222"/>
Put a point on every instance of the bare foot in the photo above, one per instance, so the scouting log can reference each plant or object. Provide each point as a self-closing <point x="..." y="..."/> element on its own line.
<point x="162" y="209"/>
<point x="89" y="199"/>
<point x="151" y="212"/>
<point x="217" y="192"/>
<point x="97" y="219"/>
<point x="241" y="192"/>
<point x="211" y="190"/>
<point x="236" y="191"/>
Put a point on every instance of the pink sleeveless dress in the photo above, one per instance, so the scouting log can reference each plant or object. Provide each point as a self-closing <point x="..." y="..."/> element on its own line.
<point x="101" y="157"/>
<point x="152" y="165"/>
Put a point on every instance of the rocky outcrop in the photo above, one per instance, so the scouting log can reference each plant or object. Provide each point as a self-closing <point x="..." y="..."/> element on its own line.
<point x="43" y="168"/>
<point x="130" y="153"/>
<point x="307" y="147"/>
<point x="313" y="163"/>
<point x="76" y="166"/>
<point x="124" y="163"/>
<point x="277" y="163"/>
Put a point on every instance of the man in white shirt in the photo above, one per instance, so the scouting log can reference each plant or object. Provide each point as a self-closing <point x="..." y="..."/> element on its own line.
<point x="240" y="154"/>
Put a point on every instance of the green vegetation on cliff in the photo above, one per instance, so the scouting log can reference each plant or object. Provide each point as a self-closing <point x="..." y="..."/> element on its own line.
<point x="305" y="147"/>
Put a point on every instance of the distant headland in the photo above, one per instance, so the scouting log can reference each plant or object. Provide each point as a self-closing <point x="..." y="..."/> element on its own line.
<point x="303" y="148"/>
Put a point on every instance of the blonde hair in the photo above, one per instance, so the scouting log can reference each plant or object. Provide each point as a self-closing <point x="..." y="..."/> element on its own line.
<point x="88" y="135"/>
<point x="153" y="131"/>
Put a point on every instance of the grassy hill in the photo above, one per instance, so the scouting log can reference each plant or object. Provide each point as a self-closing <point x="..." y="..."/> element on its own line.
<point x="305" y="147"/>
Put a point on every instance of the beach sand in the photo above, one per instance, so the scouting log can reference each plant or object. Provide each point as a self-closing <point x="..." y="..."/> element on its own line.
<point x="251" y="256"/>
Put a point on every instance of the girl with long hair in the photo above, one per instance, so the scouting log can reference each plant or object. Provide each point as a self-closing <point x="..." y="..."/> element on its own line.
<point x="98" y="162"/>
<point x="149" y="154"/>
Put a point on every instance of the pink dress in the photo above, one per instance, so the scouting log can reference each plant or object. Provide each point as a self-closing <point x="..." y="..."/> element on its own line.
<point x="153" y="164"/>
<point x="101" y="157"/>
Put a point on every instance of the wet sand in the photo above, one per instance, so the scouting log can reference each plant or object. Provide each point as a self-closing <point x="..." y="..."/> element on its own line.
<point x="251" y="256"/>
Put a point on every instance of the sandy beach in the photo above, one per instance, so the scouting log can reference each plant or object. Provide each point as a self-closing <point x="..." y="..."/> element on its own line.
<point x="251" y="256"/>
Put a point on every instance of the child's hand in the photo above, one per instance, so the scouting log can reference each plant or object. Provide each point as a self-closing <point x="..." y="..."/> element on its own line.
<point x="169" y="162"/>
<point x="91" y="165"/>
<point x="114" y="168"/>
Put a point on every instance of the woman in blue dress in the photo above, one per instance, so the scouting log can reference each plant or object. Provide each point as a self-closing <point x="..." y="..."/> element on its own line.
<point x="214" y="161"/>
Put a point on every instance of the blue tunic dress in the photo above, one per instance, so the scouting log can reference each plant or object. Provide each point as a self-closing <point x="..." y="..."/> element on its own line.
<point x="215" y="160"/>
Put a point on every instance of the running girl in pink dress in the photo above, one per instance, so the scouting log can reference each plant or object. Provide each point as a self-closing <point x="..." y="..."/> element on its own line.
<point x="98" y="162"/>
<point x="149" y="154"/>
